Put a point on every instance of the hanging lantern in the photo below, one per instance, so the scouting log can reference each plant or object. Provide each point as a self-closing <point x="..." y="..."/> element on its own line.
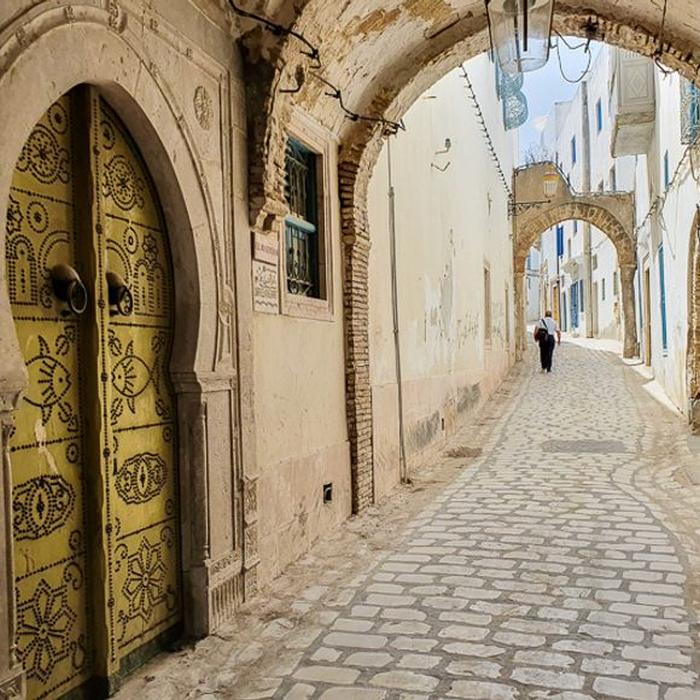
<point x="550" y="183"/>
<point x="520" y="32"/>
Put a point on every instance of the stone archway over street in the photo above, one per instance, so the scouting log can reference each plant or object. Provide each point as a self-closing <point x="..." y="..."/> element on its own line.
<point x="380" y="57"/>
<point x="610" y="212"/>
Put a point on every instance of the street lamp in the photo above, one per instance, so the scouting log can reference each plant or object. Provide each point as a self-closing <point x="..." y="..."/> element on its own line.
<point x="550" y="183"/>
<point x="520" y="32"/>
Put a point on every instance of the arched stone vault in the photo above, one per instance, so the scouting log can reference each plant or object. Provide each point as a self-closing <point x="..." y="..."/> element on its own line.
<point x="610" y="212"/>
<point x="383" y="54"/>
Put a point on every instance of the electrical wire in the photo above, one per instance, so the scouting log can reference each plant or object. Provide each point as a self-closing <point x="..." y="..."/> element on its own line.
<point x="585" y="45"/>
<point x="658" y="54"/>
<point x="390" y="127"/>
<point x="279" y="30"/>
<point x="487" y="137"/>
<point x="660" y="201"/>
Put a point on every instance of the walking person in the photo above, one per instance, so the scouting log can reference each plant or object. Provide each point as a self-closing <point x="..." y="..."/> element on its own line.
<point x="545" y="333"/>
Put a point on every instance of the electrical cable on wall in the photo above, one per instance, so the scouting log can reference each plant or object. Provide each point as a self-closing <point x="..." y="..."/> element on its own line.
<point x="660" y="201"/>
<point x="487" y="136"/>
<point x="390" y="127"/>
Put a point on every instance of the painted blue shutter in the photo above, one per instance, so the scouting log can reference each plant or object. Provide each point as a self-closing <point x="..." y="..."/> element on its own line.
<point x="662" y="299"/>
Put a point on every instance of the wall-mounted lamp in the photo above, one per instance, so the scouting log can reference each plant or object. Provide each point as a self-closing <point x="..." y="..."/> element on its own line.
<point x="520" y="31"/>
<point x="550" y="183"/>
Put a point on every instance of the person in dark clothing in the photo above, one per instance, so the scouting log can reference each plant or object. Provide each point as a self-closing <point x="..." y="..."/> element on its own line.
<point x="545" y="333"/>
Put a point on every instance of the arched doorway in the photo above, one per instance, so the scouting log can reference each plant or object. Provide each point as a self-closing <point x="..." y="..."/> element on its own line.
<point x="93" y="451"/>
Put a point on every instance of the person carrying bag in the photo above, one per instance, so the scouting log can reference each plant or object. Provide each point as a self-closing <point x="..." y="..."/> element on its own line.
<point x="545" y="333"/>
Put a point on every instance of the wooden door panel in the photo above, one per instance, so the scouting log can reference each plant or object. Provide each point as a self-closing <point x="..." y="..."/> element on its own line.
<point x="93" y="450"/>
<point x="142" y="481"/>
<point x="46" y="447"/>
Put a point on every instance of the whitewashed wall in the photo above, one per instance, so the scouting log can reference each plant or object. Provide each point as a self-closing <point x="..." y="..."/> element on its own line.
<point x="449" y="226"/>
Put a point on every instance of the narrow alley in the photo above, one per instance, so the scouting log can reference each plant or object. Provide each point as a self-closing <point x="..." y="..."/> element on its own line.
<point x="553" y="556"/>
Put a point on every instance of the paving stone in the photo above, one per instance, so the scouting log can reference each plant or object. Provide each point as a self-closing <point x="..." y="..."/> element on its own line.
<point x="655" y="655"/>
<point x="479" y="650"/>
<point x="353" y="694"/>
<point x="364" y="610"/>
<point x="475" y="668"/>
<point x="300" y="691"/>
<point x="607" y="667"/>
<point x="548" y="679"/>
<point x="543" y="658"/>
<point x="370" y="659"/>
<point x="419" y="661"/>
<point x="325" y="654"/>
<point x="664" y="674"/>
<point x="360" y="641"/>
<point x="327" y="674"/>
<point x="345" y="625"/>
<point x="403" y="614"/>
<point x="614" y="633"/>
<point x="682" y="694"/>
<point x="413" y="644"/>
<point x="625" y="689"/>
<point x="398" y="601"/>
<point x="411" y="627"/>
<point x="405" y="680"/>
<point x="518" y="639"/>
<point x="482" y="690"/>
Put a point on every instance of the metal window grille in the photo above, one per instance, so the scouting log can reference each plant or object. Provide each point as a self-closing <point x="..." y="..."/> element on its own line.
<point x="301" y="226"/>
<point x="690" y="112"/>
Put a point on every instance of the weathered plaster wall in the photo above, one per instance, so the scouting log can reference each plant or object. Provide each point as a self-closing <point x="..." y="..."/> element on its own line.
<point x="449" y="225"/>
<point x="302" y="440"/>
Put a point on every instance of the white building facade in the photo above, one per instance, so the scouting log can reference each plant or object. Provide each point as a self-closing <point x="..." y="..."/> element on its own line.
<point x="630" y="127"/>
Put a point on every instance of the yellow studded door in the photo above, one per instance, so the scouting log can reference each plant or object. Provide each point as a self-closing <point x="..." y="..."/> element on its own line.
<point x="93" y="449"/>
<point x="135" y="305"/>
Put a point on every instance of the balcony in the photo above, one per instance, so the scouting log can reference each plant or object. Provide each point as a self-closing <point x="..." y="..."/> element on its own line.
<point x="633" y="103"/>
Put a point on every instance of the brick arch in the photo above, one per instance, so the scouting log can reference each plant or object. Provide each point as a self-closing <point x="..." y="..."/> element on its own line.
<point x="693" y="353"/>
<point x="598" y="216"/>
<point x="610" y="212"/>
<point x="383" y="59"/>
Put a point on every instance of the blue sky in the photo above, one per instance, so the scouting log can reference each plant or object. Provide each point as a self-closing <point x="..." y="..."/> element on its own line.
<point x="546" y="86"/>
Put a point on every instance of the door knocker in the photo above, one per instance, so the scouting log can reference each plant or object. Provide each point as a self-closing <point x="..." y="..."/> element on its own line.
<point x="121" y="301"/>
<point x="68" y="287"/>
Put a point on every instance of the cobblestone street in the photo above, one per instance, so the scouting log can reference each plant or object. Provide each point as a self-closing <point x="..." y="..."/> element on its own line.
<point x="561" y="562"/>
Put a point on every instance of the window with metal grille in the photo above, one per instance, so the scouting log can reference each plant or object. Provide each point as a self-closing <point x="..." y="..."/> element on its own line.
<point x="302" y="224"/>
<point x="690" y="112"/>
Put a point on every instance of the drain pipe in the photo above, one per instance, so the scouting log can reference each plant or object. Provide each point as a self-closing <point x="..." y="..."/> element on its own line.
<point x="403" y="469"/>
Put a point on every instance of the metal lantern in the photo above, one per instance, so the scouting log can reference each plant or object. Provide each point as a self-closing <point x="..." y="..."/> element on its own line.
<point x="520" y="32"/>
<point x="550" y="183"/>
